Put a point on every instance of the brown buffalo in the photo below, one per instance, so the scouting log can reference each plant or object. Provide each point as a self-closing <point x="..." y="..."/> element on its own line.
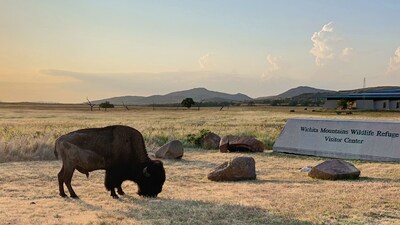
<point x="120" y="150"/>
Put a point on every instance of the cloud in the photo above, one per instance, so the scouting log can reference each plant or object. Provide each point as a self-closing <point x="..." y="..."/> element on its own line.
<point x="272" y="68"/>
<point x="328" y="46"/>
<point x="137" y="83"/>
<point x="346" y="54"/>
<point x="347" y="51"/>
<point x="206" y="61"/>
<point x="394" y="61"/>
<point x="321" y="50"/>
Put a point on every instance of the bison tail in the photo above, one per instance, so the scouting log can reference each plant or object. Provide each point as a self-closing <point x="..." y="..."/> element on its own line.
<point x="55" y="151"/>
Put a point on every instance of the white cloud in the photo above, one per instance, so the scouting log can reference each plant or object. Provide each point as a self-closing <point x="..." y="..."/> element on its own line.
<point x="206" y="61"/>
<point x="321" y="50"/>
<point x="394" y="61"/>
<point x="272" y="68"/>
<point x="327" y="46"/>
<point x="347" y="53"/>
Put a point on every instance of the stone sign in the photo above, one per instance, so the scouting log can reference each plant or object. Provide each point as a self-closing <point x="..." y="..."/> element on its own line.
<point x="346" y="139"/>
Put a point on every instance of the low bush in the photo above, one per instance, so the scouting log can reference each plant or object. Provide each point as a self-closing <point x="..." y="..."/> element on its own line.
<point x="195" y="139"/>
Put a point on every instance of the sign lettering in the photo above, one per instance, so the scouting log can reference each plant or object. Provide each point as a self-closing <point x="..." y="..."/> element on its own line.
<point x="353" y="139"/>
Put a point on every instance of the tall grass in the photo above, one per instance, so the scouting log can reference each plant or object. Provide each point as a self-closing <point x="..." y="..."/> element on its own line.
<point x="29" y="134"/>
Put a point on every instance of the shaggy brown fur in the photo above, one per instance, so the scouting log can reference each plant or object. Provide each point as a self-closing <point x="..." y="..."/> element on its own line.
<point x="120" y="150"/>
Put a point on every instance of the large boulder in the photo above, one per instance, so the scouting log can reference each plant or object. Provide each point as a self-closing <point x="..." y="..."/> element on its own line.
<point x="232" y="143"/>
<point x="239" y="168"/>
<point x="334" y="170"/>
<point x="210" y="141"/>
<point x="171" y="150"/>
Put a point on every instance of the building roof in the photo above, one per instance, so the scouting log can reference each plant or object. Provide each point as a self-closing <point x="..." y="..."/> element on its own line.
<point x="389" y="94"/>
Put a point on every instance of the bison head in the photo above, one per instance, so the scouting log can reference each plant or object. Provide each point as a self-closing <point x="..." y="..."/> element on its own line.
<point x="152" y="180"/>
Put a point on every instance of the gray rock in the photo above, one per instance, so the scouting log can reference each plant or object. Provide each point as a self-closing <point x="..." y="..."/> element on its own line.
<point x="171" y="150"/>
<point x="334" y="170"/>
<point x="239" y="168"/>
<point x="306" y="169"/>
<point x="210" y="141"/>
<point x="232" y="143"/>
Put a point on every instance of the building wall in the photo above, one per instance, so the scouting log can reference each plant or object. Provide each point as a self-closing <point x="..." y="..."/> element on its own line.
<point x="381" y="105"/>
<point x="394" y="105"/>
<point x="330" y="104"/>
<point x="365" y="104"/>
<point x="368" y="104"/>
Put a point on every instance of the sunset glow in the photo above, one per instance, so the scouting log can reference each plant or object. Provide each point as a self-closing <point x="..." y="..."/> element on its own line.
<point x="65" y="51"/>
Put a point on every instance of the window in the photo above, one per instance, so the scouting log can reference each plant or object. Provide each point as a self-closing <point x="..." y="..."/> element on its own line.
<point x="384" y="105"/>
<point x="397" y="105"/>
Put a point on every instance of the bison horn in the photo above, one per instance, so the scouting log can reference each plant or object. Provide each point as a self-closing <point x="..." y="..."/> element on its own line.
<point x="145" y="173"/>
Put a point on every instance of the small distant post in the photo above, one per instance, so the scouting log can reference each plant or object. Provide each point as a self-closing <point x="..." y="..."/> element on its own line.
<point x="365" y="83"/>
<point x="199" y="104"/>
<point x="90" y="104"/>
<point x="125" y="106"/>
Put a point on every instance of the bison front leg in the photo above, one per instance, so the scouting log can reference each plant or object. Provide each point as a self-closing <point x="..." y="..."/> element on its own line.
<point x="120" y="191"/>
<point x="113" y="194"/>
<point x="111" y="182"/>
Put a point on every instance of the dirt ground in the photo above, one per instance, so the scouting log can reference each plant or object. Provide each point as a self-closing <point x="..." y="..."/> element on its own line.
<point x="280" y="195"/>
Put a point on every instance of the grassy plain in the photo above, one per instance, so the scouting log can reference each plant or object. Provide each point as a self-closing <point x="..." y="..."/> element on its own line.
<point x="280" y="195"/>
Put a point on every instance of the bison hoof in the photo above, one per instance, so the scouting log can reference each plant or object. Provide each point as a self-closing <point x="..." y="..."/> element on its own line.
<point x="121" y="192"/>
<point x="75" y="196"/>
<point x="63" y="195"/>
<point x="115" y="196"/>
<point x="150" y="196"/>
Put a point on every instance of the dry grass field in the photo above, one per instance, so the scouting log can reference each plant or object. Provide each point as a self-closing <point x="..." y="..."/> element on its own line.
<point x="280" y="195"/>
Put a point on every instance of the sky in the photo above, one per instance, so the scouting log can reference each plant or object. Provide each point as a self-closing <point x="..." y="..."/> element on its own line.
<point x="67" y="51"/>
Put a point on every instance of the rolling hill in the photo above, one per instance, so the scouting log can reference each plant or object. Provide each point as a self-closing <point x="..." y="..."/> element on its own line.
<point x="202" y="94"/>
<point x="291" y="93"/>
<point x="198" y="94"/>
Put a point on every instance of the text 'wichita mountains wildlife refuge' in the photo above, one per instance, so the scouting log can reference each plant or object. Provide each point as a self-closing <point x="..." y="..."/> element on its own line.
<point x="360" y="132"/>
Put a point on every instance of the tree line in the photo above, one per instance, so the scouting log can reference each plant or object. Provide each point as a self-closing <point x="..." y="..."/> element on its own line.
<point x="189" y="103"/>
<point x="293" y="102"/>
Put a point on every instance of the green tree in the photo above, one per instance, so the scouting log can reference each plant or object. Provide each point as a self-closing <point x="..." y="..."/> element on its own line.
<point x="293" y="102"/>
<point x="187" y="102"/>
<point x="275" y="103"/>
<point x="105" y="105"/>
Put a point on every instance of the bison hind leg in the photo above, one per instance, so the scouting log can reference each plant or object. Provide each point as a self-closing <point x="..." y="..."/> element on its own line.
<point x="68" y="173"/>
<point x="61" y="182"/>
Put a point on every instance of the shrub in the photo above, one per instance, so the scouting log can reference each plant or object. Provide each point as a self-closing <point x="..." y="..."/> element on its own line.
<point x="187" y="102"/>
<point x="196" y="139"/>
<point x="105" y="105"/>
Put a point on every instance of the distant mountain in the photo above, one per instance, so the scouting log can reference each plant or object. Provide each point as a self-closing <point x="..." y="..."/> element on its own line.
<point x="291" y="93"/>
<point x="198" y="94"/>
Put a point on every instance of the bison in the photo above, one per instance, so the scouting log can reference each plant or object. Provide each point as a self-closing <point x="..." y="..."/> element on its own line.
<point x="119" y="150"/>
